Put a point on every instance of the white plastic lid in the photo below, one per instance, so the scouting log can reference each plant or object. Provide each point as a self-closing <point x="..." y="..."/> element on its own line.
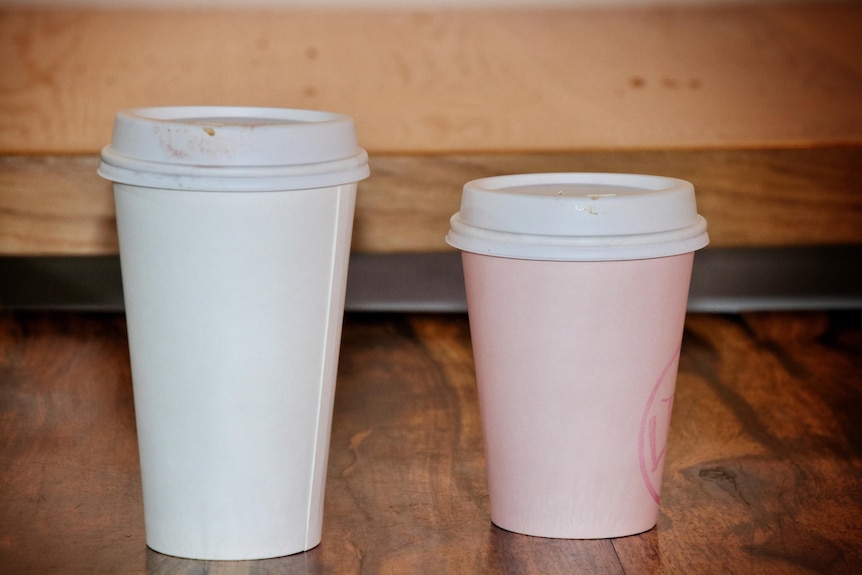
<point x="233" y="149"/>
<point x="578" y="217"/>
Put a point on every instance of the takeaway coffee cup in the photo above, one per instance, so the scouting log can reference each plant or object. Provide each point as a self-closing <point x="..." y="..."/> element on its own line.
<point x="576" y="291"/>
<point x="234" y="228"/>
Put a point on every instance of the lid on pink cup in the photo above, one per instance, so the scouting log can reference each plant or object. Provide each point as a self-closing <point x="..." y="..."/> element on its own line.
<point x="233" y="149"/>
<point x="578" y="217"/>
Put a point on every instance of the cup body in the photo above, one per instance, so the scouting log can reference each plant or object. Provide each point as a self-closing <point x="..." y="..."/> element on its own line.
<point x="234" y="304"/>
<point x="577" y="287"/>
<point x="234" y="293"/>
<point x="576" y="364"/>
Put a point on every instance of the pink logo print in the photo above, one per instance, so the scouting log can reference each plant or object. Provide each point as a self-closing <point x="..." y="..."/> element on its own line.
<point x="655" y="455"/>
<point x="655" y="422"/>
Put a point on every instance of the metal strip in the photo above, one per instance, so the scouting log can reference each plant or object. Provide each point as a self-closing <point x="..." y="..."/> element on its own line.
<point x="724" y="280"/>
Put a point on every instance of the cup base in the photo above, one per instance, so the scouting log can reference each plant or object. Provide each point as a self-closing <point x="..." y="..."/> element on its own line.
<point x="585" y="534"/>
<point x="176" y="556"/>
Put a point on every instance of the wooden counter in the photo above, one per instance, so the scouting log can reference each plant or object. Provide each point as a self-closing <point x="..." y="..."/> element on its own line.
<point x="763" y="474"/>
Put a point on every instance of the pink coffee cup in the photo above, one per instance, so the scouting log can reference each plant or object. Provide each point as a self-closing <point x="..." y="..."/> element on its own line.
<point x="576" y="290"/>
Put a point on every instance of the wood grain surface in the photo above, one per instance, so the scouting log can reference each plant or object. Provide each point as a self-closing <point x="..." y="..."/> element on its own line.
<point x="763" y="475"/>
<point x="449" y="80"/>
<point x="751" y="198"/>
<point x="757" y="103"/>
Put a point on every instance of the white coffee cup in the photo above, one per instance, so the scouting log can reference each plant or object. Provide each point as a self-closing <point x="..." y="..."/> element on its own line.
<point x="234" y="228"/>
<point x="576" y="291"/>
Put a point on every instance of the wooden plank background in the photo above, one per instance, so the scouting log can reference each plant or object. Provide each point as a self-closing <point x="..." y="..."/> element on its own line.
<point x="793" y="197"/>
<point x="758" y="104"/>
<point x="442" y="81"/>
